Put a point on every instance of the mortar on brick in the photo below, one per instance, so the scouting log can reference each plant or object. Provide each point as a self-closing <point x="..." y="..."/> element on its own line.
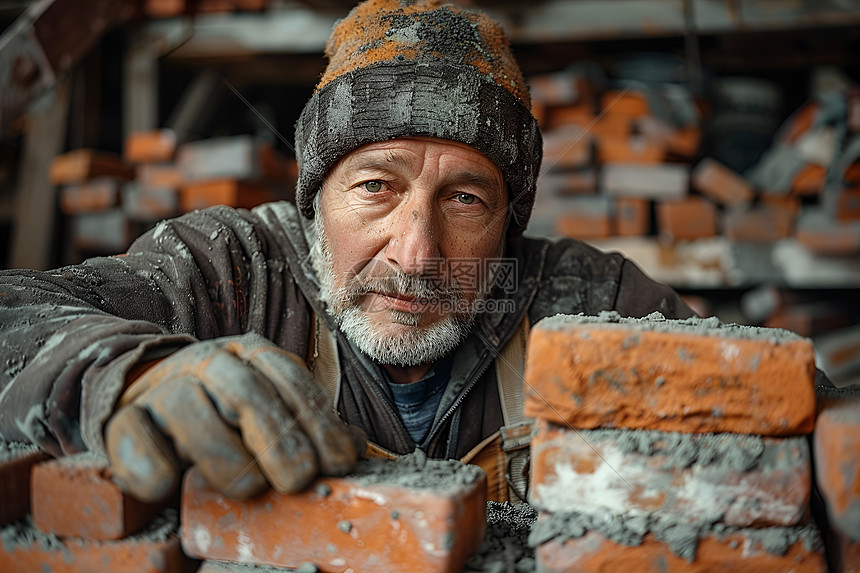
<point x="681" y="536"/>
<point x="715" y="477"/>
<point x="656" y="322"/>
<point x="22" y="534"/>
<point x="416" y="471"/>
<point x="12" y="450"/>
<point x="505" y="547"/>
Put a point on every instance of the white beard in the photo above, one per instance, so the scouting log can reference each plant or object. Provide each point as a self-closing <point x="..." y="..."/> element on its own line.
<point x="413" y="346"/>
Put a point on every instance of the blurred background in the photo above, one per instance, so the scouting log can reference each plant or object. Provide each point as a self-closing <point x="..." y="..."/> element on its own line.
<point x="715" y="142"/>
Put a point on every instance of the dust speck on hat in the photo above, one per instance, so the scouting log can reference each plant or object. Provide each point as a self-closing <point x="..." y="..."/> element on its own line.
<point x="400" y="68"/>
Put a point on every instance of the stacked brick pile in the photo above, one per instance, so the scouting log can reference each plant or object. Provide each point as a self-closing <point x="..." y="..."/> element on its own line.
<point x="836" y="443"/>
<point x="672" y="445"/>
<point x="67" y="515"/>
<point x="412" y="514"/>
<point x="110" y="200"/>
<point x="612" y="158"/>
<point x="173" y="8"/>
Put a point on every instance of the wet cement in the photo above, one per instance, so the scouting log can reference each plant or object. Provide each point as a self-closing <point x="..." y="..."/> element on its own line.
<point x="505" y="548"/>
<point x="12" y="450"/>
<point x="681" y="536"/>
<point x="416" y="471"/>
<point x="22" y="534"/>
<point x="656" y="322"/>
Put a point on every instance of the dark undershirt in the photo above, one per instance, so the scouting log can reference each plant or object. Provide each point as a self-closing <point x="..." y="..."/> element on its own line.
<point x="417" y="402"/>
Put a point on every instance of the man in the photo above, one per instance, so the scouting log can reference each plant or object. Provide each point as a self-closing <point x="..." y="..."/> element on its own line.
<point x="397" y="292"/>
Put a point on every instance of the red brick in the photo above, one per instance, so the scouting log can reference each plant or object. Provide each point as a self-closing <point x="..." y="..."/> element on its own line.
<point x="587" y="470"/>
<point x="341" y="524"/>
<point x="848" y="205"/>
<point x="822" y="234"/>
<point x="809" y="180"/>
<point x="153" y="146"/>
<point x="160" y="175"/>
<point x="735" y="552"/>
<point x="632" y="217"/>
<point x="163" y="8"/>
<point x="661" y="181"/>
<point x="844" y="554"/>
<point x="589" y="218"/>
<point x="799" y="123"/>
<point x="149" y="203"/>
<point x="579" y="114"/>
<point x="566" y="147"/>
<point x="681" y="142"/>
<point x="154" y="550"/>
<point x="836" y="447"/>
<point x="720" y="184"/>
<point x="16" y="462"/>
<point x="84" y="164"/>
<point x="851" y="176"/>
<point x="241" y="157"/>
<point x="629" y="104"/>
<point x="222" y="192"/>
<point x="785" y="202"/>
<point x="75" y="497"/>
<point x="611" y="125"/>
<point x="670" y="375"/>
<point x="809" y="319"/>
<point x="691" y="218"/>
<point x="629" y="149"/>
<point x="96" y="195"/>
<point x="762" y="223"/>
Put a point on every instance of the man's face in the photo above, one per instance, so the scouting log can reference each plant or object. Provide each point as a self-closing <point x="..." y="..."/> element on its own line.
<point x="393" y="217"/>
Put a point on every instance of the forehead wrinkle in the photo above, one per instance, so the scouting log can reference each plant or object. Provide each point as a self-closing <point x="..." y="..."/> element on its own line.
<point x="379" y="160"/>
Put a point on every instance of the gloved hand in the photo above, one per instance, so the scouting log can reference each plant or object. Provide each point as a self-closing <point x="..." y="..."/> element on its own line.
<point x="241" y="409"/>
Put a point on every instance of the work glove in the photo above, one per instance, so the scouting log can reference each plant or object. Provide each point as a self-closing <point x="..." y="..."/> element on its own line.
<point x="246" y="412"/>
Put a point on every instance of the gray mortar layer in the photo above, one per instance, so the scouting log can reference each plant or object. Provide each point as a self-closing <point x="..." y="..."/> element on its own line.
<point x="505" y="548"/>
<point x="22" y="534"/>
<point x="736" y="452"/>
<point x="656" y="322"/>
<point x="681" y="536"/>
<point x="212" y="566"/>
<point x="416" y="471"/>
<point x="11" y="450"/>
<point x="84" y="460"/>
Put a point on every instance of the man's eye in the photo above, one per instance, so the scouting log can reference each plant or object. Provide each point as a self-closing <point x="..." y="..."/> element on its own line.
<point x="373" y="186"/>
<point x="465" y="198"/>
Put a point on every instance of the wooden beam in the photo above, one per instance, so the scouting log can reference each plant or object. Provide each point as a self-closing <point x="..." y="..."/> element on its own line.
<point x="35" y="212"/>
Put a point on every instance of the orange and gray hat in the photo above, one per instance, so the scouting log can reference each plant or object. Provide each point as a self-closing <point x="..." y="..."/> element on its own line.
<point x="400" y="68"/>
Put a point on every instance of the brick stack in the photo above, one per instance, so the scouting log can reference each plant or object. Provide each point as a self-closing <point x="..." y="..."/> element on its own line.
<point x="836" y="449"/>
<point x="608" y="156"/>
<point x="612" y="158"/>
<point x="111" y="200"/>
<point x="78" y="521"/>
<point x="672" y="445"/>
<point x="411" y="514"/>
<point x="173" y="8"/>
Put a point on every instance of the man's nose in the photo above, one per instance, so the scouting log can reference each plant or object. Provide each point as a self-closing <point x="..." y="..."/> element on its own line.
<point x="413" y="245"/>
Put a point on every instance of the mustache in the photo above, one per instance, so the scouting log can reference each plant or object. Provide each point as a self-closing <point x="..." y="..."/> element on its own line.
<point x="398" y="283"/>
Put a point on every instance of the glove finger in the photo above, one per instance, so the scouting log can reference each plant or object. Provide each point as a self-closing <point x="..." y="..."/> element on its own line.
<point x="142" y="460"/>
<point x="183" y="410"/>
<point x="283" y="452"/>
<point x="335" y="445"/>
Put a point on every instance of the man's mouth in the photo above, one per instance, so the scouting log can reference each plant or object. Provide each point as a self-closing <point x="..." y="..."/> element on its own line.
<point x="404" y="302"/>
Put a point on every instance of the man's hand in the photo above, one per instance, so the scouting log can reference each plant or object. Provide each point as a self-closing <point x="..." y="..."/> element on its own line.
<point x="241" y="409"/>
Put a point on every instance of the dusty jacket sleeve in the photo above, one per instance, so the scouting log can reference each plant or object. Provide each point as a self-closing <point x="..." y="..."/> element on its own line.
<point x="68" y="337"/>
<point x="639" y="295"/>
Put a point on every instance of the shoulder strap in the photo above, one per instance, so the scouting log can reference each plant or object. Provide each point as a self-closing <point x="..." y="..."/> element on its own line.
<point x="516" y="433"/>
<point x="510" y="367"/>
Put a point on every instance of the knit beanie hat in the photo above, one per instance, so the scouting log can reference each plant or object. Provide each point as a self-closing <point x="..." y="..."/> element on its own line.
<point x="400" y="68"/>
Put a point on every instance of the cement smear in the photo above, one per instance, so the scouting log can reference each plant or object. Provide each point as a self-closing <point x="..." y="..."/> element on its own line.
<point x="682" y="537"/>
<point x="656" y="322"/>
<point x="739" y="452"/>
<point x="416" y="471"/>
<point x="505" y="548"/>
<point x="23" y="535"/>
<point x="12" y="450"/>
